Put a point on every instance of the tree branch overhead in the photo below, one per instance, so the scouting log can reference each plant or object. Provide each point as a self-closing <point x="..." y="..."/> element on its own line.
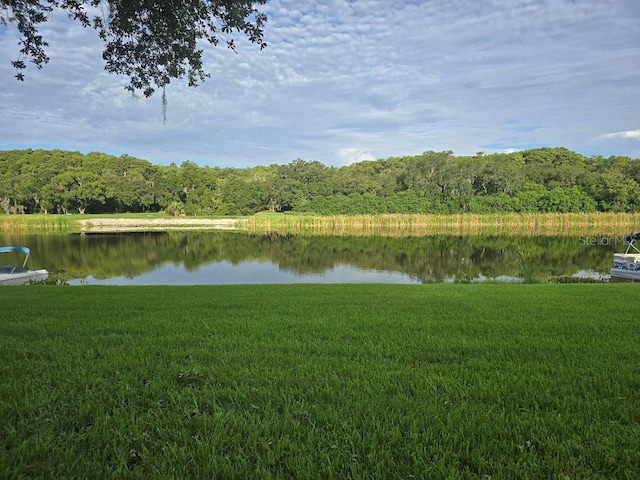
<point x="149" y="41"/>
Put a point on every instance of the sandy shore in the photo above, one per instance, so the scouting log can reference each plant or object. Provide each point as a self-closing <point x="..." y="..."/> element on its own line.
<point x="155" y="224"/>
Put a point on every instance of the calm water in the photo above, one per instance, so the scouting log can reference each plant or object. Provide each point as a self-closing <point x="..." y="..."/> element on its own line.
<point x="190" y="258"/>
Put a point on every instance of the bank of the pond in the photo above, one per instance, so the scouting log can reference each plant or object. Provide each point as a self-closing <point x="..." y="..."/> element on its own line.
<point x="339" y="225"/>
<point x="40" y="223"/>
<point x="398" y="225"/>
<point x="320" y="381"/>
<point x="104" y="224"/>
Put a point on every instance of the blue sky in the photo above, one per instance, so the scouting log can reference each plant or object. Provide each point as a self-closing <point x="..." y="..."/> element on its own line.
<point x="349" y="80"/>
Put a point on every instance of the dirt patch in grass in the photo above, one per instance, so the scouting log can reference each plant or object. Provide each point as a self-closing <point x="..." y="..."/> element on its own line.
<point x="155" y="224"/>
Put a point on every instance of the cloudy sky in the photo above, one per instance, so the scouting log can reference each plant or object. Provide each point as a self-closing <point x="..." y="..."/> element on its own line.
<point x="349" y="80"/>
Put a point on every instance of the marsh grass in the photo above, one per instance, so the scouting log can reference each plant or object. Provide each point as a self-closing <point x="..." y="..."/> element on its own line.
<point x="320" y="381"/>
<point x="366" y="225"/>
<point x="39" y="223"/>
<point x="455" y="224"/>
<point x="54" y="223"/>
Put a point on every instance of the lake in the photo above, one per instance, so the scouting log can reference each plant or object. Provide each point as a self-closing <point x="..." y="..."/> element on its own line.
<point x="190" y="258"/>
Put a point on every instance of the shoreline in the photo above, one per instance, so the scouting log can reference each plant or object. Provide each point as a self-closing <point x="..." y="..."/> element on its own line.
<point x="392" y="225"/>
<point x="105" y="225"/>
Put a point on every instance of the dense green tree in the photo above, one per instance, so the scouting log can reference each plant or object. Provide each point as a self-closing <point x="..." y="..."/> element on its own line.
<point x="243" y="196"/>
<point x="355" y="203"/>
<point x="617" y="192"/>
<point x="90" y="194"/>
<point x="168" y="186"/>
<point x="56" y="193"/>
<point x="197" y="186"/>
<point x="499" y="173"/>
<point x="408" y="201"/>
<point x="150" y="42"/>
<point x="429" y="172"/>
<point x="495" y="202"/>
<point x="302" y="181"/>
<point x="434" y="182"/>
<point x="554" y="167"/>
<point x="376" y="177"/>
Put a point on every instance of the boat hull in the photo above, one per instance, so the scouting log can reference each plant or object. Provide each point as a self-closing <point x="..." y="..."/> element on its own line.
<point x="22" y="276"/>
<point x="626" y="266"/>
<point x="618" y="274"/>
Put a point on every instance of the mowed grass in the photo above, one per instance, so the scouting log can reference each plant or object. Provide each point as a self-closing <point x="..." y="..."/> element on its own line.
<point x="320" y="381"/>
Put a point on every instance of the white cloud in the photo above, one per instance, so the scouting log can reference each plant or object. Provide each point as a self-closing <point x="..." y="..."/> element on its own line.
<point x="343" y="81"/>
<point x="352" y="155"/>
<point x="625" y="134"/>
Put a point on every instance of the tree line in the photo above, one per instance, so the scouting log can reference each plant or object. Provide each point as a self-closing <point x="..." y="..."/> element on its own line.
<point x="536" y="180"/>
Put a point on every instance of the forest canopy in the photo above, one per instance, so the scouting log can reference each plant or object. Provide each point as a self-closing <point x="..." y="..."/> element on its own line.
<point x="537" y="180"/>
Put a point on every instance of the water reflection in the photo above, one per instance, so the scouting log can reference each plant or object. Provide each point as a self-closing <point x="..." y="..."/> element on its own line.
<point x="227" y="258"/>
<point x="226" y="273"/>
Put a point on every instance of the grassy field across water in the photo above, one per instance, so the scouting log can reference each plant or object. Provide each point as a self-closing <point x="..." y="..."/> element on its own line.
<point x="320" y="381"/>
<point x="389" y="225"/>
<point x="467" y="224"/>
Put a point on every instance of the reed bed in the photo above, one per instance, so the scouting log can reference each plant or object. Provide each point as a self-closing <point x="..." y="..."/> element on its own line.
<point x="390" y="225"/>
<point x="454" y="224"/>
<point x="38" y="223"/>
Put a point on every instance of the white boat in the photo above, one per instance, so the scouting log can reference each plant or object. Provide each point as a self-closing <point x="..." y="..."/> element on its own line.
<point x="626" y="266"/>
<point x="10" y="275"/>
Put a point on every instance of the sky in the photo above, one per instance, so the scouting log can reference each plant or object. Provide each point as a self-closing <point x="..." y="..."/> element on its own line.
<point x="343" y="81"/>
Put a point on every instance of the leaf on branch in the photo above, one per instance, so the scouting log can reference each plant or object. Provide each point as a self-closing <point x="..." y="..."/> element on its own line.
<point x="149" y="42"/>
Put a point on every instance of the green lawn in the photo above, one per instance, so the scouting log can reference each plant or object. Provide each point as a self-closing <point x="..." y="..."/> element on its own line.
<point x="320" y="381"/>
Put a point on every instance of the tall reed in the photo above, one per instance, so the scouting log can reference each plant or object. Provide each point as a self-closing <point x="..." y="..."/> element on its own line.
<point x="41" y="223"/>
<point x="392" y="225"/>
<point x="455" y="224"/>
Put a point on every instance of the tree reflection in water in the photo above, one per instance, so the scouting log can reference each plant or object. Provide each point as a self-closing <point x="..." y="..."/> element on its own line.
<point x="217" y="257"/>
